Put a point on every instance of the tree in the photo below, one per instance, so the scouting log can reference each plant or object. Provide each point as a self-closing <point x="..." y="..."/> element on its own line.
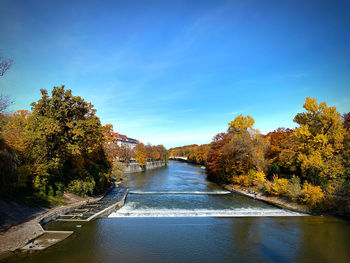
<point x="346" y="147"/>
<point x="236" y="152"/>
<point x="66" y="142"/>
<point x="278" y="147"/>
<point x="317" y="142"/>
<point x="126" y="153"/>
<point x="5" y="64"/>
<point x="140" y="154"/>
<point x="13" y="131"/>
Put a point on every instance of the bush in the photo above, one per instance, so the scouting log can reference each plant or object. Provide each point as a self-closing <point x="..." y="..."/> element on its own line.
<point x="311" y="195"/>
<point x="118" y="170"/>
<point x="252" y="178"/>
<point x="242" y="180"/>
<point x="294" y="188"/>
<point x="278" y="187"/>
<point x="82" y="188"/>
<point x="259" y="179"/>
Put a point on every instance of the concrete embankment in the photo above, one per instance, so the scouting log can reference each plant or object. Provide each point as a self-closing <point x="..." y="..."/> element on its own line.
<point x="135" y="167"/>
<point x="269" y="199"/>
<point x="19" y="235"/>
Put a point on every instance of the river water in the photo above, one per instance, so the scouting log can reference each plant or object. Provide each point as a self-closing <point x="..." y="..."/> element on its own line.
<point x="174" y="214"/>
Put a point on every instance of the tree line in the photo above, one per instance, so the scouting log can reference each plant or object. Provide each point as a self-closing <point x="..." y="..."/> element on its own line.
<point x="60" y="145"/>
<point x="118" y="154"/>
<point x="309" y="164"/>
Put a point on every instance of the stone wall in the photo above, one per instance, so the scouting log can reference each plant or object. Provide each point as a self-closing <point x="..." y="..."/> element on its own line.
<point x="135" y="167"/>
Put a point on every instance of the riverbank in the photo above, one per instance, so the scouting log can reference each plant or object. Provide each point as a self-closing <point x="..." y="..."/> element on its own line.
<point x="19" y="234"/>
<point x="273" y="200"/>
<point x="135" y="167"/>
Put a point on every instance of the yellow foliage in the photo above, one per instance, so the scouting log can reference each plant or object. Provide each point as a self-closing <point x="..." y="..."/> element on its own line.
<point x="310" y="194"/>
<point x="259" y="179"/>
<point x="242" y="180"/>
<point x="241" y="123"/>
<point x="140" y="154"/>
<point x="279" y="186"/>
<point x="252" y="178"/>
<point x="318" y="140"/>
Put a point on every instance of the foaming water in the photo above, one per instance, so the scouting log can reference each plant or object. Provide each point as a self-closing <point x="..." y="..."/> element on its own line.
<point x="218" y="192"/>
<point x="131" y="210"/>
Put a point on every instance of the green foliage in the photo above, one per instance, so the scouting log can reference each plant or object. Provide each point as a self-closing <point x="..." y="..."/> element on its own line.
<point x="65" y="141"/>
<point x="58" y="146"/>
<point x="118" y="170"/>
<point x="82" y="188"/>
<point x="294" y="188"/>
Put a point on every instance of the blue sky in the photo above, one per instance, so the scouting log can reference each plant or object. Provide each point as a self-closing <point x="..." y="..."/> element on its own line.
<point x="176" y="72"/>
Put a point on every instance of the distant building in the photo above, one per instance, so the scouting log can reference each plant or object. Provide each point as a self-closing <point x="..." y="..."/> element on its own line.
<point x="125" y="140"/>
<point x="122" y="140"/>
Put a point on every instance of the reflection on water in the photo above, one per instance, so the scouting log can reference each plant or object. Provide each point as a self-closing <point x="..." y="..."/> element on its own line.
<point x="196" y="239"/>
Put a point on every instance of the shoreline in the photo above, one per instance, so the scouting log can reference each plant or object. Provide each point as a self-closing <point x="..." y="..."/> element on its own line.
<point x="18" y="235"/>
<point x="272" y="200"/>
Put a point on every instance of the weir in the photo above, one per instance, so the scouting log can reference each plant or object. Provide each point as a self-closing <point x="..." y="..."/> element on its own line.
<point x="115" y="199"/>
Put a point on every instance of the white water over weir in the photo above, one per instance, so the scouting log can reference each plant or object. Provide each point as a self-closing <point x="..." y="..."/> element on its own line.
<point x="129" y="211"/>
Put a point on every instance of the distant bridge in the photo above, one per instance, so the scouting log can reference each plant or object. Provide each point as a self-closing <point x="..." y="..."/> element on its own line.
<point x="183" y="158"/>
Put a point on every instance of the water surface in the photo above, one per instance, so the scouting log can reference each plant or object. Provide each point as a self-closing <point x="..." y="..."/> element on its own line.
<point x="175" y="215"/>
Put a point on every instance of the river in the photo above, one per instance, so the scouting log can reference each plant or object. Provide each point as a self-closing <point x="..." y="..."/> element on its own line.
<point x="174" y="214"/>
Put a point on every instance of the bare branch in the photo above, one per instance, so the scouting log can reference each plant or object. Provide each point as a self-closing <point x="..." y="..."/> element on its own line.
<point x="5" y="64"/>
<point x="5" y="101"/>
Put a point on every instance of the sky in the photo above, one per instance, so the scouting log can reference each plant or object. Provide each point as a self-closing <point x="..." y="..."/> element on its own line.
<point x="176" y="72"/>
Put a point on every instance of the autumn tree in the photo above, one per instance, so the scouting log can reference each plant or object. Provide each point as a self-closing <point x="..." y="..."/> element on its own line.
<point x="9" y="158"/>
<point x="278" y="143"/>
<point x="13" y="131"/>
<point x="216" y="161"/>
<point x="65" y="142"/>
<point x="236" y="152"/>
<point x="318" y="141"/>
<point x="140" y="154"/>
<point x="162" y="152"/>
<point x="346" y="147"/>
<point x="126" y="153"/>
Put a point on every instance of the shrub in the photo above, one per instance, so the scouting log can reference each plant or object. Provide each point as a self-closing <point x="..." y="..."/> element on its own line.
<point x="118" y="170"/>
<point x="259" y="179"/>
<point x="294" y="188"/>
<point x="82" y="188"/>
<point x="242" y="180"/>
<point x="311" y="195"/>
<point x="252" y="178"/>
<point x="279" y="186"/>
